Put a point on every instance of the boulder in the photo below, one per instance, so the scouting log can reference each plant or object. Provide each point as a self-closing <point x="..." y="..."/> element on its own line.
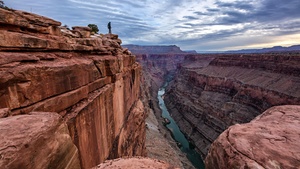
<point x="84" y="32"/>
<point x="271" y="140"/>
<point x="38" y="140"/>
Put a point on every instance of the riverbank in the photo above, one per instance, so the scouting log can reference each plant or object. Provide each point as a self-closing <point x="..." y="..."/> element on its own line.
<point x="178" y="136"/>
<point x="159" y="143"/>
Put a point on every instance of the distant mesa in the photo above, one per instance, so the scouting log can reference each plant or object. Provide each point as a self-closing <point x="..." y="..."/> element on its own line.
<point x="268" y="50"/>
<point x="137" y="49"/>
<point x="191" y="51"/>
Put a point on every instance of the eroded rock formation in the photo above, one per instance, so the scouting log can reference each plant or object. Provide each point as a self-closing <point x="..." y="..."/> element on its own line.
<point x="271" y="140"/>
<point x="208" y="95"/>
<point x="91" y="82"/>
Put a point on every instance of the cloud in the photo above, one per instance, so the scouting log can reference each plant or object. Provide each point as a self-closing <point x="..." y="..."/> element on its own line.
<point x="191" y="24"/>
<point x="190" y="17"/>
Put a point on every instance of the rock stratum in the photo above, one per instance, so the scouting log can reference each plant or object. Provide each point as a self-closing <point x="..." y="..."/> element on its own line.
<point x="212" y="92"/>
<point x="271" y="140"/>
<point x="68" y="99"/>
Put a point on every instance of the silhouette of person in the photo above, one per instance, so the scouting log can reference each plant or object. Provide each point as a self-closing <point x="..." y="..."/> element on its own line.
<point x="109" y="27"/>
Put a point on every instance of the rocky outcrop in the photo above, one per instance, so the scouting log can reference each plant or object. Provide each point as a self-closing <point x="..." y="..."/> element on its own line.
<point x="271" y="140"/>
<point x="133" y="163"/>
<point x="91" y="82"/>
<point x="36" y="140"/>
<point x="207" y="96"/>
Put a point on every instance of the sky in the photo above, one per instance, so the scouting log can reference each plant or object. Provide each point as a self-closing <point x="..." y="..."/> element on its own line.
<point x="202" y="25"/>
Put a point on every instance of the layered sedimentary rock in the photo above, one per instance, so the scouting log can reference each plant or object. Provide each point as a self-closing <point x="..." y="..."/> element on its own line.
<point x="36" y="140"/>
<point x="158" y="68"/>
<point x="91" y="82"/>
<point x="209" y="95"/>
<point x="271" y="140"/>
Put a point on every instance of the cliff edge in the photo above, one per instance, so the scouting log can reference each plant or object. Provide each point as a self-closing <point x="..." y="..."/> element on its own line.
<point x="87" y="85"/>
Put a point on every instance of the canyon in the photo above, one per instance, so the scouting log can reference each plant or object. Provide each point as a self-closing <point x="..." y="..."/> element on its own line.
<point x="208" y="93"/>
<point x="211" y="93"/>
<point x="73" y="99"/>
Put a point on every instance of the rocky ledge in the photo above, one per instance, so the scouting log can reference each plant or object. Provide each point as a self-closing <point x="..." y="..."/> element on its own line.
<point x="271" y="140"/>
<point x="89" y="83"/>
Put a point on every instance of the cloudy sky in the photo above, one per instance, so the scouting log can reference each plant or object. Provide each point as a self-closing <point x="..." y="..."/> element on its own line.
<point x="201" y="25"/>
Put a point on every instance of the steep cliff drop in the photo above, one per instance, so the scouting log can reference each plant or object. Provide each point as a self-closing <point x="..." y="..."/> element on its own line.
<point x="159" y="65"/>
<point x="210" y="93"/>
<point x="68" y="99"/>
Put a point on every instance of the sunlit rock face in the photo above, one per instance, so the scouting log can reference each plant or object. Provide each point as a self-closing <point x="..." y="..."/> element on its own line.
<point x="209" y="94"/>
<point x="268" y="141"/>
<point x="91" y="82"/>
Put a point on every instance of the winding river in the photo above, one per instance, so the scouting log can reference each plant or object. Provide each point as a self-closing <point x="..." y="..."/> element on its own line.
<point x="178" y="136"/>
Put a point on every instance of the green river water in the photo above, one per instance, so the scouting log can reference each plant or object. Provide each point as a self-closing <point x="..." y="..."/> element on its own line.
<point x="178" y="136"/>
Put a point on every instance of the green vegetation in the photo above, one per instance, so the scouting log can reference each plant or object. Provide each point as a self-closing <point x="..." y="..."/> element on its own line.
<point x="1" y="4"/>
<point x="66" y="26"/>
<point x="94" y="28"/>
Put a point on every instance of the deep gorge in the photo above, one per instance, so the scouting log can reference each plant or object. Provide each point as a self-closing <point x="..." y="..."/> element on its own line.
<point x="209" y="93"/>
<point x="70" y="99"/>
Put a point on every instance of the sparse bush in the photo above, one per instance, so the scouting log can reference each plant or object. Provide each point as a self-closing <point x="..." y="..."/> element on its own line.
<point x="1" y="4"/>
<point x="94" y="28"/>
<point x="66" y="26"/>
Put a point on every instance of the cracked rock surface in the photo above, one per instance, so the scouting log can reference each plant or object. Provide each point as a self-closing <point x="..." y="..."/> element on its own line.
<point x="271" y="140"/>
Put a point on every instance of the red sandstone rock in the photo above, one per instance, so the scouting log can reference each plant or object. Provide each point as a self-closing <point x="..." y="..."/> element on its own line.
<point x="38" y="140"/>
<point x="4" y="112"/>
<point x="84" y="32"/>
<point x="271" y="140"/>
<point x="81" y="28"/>
<point x="91" y="82"/>
<point x="24" y="20"/>
<point x="134" y="163"/>
<point x="128" y="132"/>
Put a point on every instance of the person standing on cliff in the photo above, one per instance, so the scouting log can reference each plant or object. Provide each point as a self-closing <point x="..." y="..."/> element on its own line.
<point x="109" y="27"/>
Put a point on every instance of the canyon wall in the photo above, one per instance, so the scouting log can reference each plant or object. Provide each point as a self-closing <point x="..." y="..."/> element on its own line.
<point x="89" y="83"/>
<point x="159" y="142"/>
<point x="211" y="93"/>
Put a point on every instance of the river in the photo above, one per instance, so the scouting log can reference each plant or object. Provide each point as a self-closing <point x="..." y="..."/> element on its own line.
<point x="178" y="136"/>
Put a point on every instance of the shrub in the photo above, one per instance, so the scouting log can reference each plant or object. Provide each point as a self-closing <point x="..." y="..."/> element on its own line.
<point x="94" y="28"/>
